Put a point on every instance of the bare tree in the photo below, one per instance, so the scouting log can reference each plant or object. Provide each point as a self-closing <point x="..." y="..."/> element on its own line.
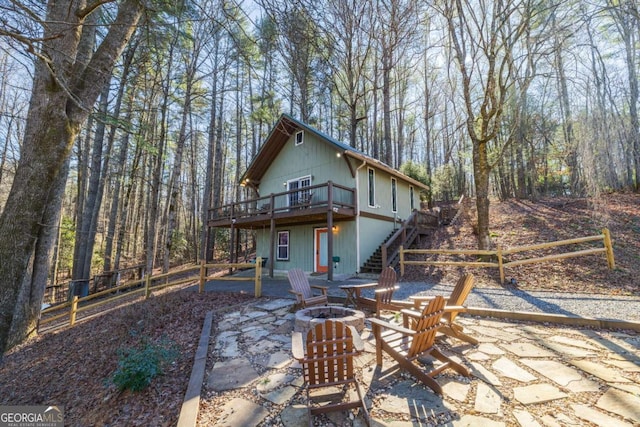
<point x="66" y="84"/>
<point x="484" y="37"/>
<point x="627" y="21"/>
<point x="397" y="29"/>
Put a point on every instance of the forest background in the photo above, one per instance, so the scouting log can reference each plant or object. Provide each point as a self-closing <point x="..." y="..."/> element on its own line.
<point x="121" y="123"/>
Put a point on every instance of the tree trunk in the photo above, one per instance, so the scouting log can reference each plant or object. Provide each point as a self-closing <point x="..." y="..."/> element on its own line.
<point x="481" y="173"/>
<point x="88" y="216"/>
<point x="29" y="220"/>
<point x="174" y="185"/>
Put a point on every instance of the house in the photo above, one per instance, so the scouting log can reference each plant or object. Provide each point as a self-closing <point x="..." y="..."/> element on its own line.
<point x="320" y="205"/>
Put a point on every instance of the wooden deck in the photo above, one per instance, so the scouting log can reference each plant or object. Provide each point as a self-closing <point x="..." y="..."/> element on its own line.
<point x="304" y="205"/>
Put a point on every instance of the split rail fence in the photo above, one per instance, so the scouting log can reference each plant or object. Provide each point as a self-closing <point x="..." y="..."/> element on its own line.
<point x="500" y="253"/>
<point x="143" y="288"/>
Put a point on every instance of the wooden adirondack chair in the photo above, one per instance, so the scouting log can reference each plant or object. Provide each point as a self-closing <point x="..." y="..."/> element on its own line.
<point x="453" y="307"/>
<point x="304" y="292"/>
<point x="328" y="362"/>
<point x="416" y="338"/>
<point x="383" y="294"/>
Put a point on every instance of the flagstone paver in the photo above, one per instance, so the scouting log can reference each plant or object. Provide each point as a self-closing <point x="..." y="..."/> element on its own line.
<point x="476" y="421"/>
<point x="479" y="371"/>
<point x="252" y="353"/>
<point x="456" y="390"/>
<point x="580" y="343"/>
<point x="409" y="398"/>
<point x="241" y="412"/>
<point x="605" y="373"/>
<point x="276" y="360"/>
<point x="274" y="304"/>
<point x="490" y="348"/>
<point x="231" y="374"/>
<point x="561" y="374"/>
<point x="272" y="382"/>
<point x="525" y="419"/>
<point x="629" y="388"/>
<point x="537" y="393"/>
<point x="488" y="399"/>
<point x="494" y="333"/>
<point x="527" y="349"/>
<point x="559" y="420"/>
<point x="478" y="356"/>
<point x="625" y="365"/>
<point x="282" y="395"/>
<point x="621" y="403"/>
<point x="264" y="346"/>
<point x="598" y="418"/>
<point x="508" y="368"/>
<point x="534" y="331"/>
<point x="566" y="350"/>
<point x="256" y="333"/>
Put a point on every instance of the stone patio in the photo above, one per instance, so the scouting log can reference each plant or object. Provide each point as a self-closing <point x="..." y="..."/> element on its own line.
<point x="524" y="374"/>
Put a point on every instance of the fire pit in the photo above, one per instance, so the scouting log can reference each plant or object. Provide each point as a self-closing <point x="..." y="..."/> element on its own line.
<point x="307" y="318"/>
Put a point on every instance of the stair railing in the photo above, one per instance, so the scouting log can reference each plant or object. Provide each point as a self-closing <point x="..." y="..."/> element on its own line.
<point x="404" y="236"/>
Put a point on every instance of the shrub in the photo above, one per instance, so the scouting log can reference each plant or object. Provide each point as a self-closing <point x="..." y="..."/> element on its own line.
<point x="137" y="367"/>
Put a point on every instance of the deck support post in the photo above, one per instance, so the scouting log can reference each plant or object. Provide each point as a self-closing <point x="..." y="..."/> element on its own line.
<point x="330" y="231"/>
<point x="272" y="244"/>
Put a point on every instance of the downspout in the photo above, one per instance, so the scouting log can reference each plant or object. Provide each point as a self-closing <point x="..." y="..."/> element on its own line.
<point x="358" y="263"/>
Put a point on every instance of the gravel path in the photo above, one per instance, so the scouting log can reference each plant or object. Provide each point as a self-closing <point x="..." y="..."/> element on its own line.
<point x="502" y="298"/>
<point x="574" y="304"/>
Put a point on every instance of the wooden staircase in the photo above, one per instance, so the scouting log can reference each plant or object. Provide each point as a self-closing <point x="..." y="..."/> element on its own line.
<point x="388" y="253"/>
<point x="374" y="264"/>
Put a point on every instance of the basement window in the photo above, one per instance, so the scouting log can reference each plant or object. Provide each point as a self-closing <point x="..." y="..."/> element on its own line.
<point x="282" y="251"/>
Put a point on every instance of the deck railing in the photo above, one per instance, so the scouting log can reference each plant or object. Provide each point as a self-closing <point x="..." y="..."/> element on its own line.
<point x="292" y="201"/>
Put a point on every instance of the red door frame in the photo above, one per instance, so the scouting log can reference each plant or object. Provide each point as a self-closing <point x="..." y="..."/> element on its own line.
<point x="318" y="250"/>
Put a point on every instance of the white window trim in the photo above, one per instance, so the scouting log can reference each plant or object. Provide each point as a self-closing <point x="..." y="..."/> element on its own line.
<point x="411" y="201"/>
<point x="288" y="246"/>
<point x="295" y="139"/>
<point x="301" y="190"/>
<point x="394" y="195"/>
<point x="371" y="187"/>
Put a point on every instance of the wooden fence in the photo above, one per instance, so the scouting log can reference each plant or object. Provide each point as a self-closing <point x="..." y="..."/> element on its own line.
<point x="145" y="286"/>
<point x="500" y="253"/>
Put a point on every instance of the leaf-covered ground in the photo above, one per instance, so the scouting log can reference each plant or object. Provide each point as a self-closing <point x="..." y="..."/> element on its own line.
<point x="518" y="223"/>
<point x="72" y="367"/>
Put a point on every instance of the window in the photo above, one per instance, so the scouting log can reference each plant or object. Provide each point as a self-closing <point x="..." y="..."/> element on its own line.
<point x="372" y="188"/>
<point x="299" y="137"/>
<point x="299" y="197"/>
<point x="394" y="195"/>
<point x="411" y="198"/>
<point x="282" y="251"/>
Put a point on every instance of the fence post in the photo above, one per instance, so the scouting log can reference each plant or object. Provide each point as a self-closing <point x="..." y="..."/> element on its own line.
<point x="609" y="248"/>
<point x="500" y="266"/>
<point x="147" y="286"/>
<point x="74" y="309"/>
<point x="401" y="260"/>
<point x="202" y="276"/>
<point x="258" y="285"/>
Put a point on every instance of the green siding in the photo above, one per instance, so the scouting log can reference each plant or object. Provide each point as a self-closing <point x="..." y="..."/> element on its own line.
<point x="313" y="157"/>
<point x="318" y="159"/>
<point x="383" y="195"/>
<point x="301" y="247"/>
<point x="373" y="232"/>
